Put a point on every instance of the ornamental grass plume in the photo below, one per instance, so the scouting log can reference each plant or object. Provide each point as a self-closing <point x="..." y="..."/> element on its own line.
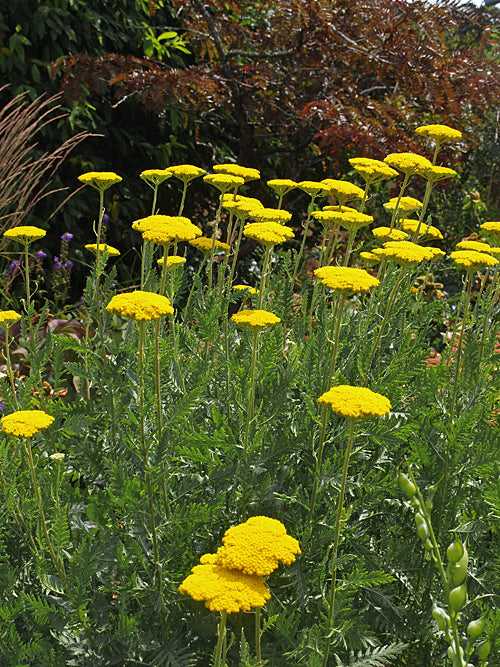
<point x="257" y="546"/>
<point x="140" y="306"/>
<point x="353" y="403"/>
<point x="26" y="423"/>
<point x="100" y="180"/>
<point x="246" y="173"/>
<point x="104" y="248"/>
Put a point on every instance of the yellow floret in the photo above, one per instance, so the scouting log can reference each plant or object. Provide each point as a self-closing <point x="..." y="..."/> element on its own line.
<point x="255" y="320"/>
<point x="140" y="305"/>
<point x="356" y="402"/>
<point x="267" y="233"/>
<point x="346" y="280"/>
<point x="25" y="423"/>
<point x="25" y="234"/>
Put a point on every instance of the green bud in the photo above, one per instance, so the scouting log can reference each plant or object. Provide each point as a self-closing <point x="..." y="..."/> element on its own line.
<point x="483" y="650"/>
<point x="422" y="532"/>
<point x="451" y="653"/>
<point x="475" y="628"/>
<point x="419" y="519"/>
<point x="428" y="545"/>
<point x="458" y="570"/>
<point x="441" y="618"/>
<point x="457" y="597"/>
<point x="455" y="551"/>
<point x="406" y="485"/>
<point x="415" y="503"/>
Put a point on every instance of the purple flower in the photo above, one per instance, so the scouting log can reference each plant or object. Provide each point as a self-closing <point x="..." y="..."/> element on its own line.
<point x="1" y="406"/>
<point x="105" y="219"/>
<point x="12" y="268"/>
<point x="67" y="237"/>
<point x="40" y="255"/>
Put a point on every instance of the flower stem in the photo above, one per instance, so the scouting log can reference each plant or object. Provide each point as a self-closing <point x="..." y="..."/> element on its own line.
<point x="340" y="507"/>
<point x="258" y="653"/>
<point x="265" y="265"/>
<point x="250" y="415"/>
<point x="10" y="374"/>
<point x="221" y="634"/>
<point x="302" y="245"/>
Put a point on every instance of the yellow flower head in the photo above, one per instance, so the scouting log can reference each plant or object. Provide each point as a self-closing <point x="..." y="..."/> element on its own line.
<point x="343" y="190"/>
<point x="439" y="133"/>
<point x="406" y="205"/>
<point x="164" y="229"/>
<point x="405" y="253"/>
<point x="313" y="188"/>
<point x="435" y="174"/>
<point x="328" y="217"/>
<point x="257" y="546"/>
<point x="205" y="245"/>
<point x="8" y="318"/>
<point x="346" y="280"/>
<point x="352" y="220"/>
<point x="356" y="402"/>
<point x="493" y="229"/>
<point x="474" y="245"/>
<point x="246" y="288"/>
<point x="341" y="209"/>
<point x="103" y="247"/>
<point x="408" y="163"/>
<point x="281" y="185"/>
<point x="424" y="230"/>
<point x="100" y="180"/>
<point x="155" y="177"/>
<point x="225" y="590"/>
<point x="186" y="172"/>
<point x="240" y="205"/>
<point x="270" y="215"/>
<point x="372" y="171"/>
<point x="255" y="320"/>
<point x="436" y="253"/>
<point x="173" y="261"/>
<point x="369" y="258"/>
<point x="224" y="182"/>
<point x="472" y="261"/>
<point x="267" y="233"/>
<point x="25" y="423"/>
<point x="246" y="173"/>
<point x="25" y="234"/>
<point x="140" y="306"/>
<point x="388" y="234"/>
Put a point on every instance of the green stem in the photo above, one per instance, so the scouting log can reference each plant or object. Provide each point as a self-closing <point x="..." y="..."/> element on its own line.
<point x="147" y="474"/>
<point x="10" y="374"/>
<point x="212" y="250"/>
<point x="396" y="208"/>
<point x="258" y="653"/>
<point x="338" y="521"/>
<point x="263" y="276"/>
<point x="183" y="198"/>
<point x="250" y="415"/>
<point x="302" y="245"/>
<point x="221" y="634"/>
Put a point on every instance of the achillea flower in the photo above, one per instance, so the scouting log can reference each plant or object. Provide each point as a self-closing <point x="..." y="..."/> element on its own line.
<point x="423" y="229"/>
<point x="173" y="261"/>
<point x="8" y="318"/>
<point x="408" y="163"/>
<point x="225" y="590"/>
<point x="103" y="247"/>
<point x="472" y="261"/>
<point x="255" y="320"/>
<point x="246" y="173"/>
<point x="406" y="204"/>
<point x="405" y="253"/>
<point x="352" y="220"/>
<point x="186" y="172"/>
<point x="239" y="205"/>
<point x="369" y="258"/>
<point x="328" y="218"/>
<point x="246" y="288"/>
<point x="257" y="547"/>
<point x="281" y="185"/>
<point x="343" y="190"/>
<point x="58" y="456"/>
<point x="224" y="182"/>
<point x="436" y="253"/>
<point x="388" y="234"/>
<point x="356" y="402"/>
<point x="341" y="209"/>
<point x="492" y="228"/>
<point x="270" y="215"/>
<point x="313" y="188"/>
<point x="346" y="280"/>
<point x="268" y="233"/>
<point x="140" y="306"/>
<point x="25" y="234"/>
<point x="372" y="171"/>
<point x="26" y="423"/>
<point x="435" y="174"/>
<point x="100" y="180"/>
<point x="474" y="245"/>
<point x="163" y="229"/>
<point x="440" y="133"/>
<point x="206" y="244"/>
<point x="155" y="177"/>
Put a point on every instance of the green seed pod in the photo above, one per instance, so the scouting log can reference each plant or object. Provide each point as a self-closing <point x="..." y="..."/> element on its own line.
<point x="406" y="485"/>
<point x="428" y="545"/>
<point x="455" y="551"/>
<point x="415" y="503"/>
<point x="457" y="597"/>
<point x="422" y="532"/>
<point x="451" y="653"/>
<point x="419" y="519"/>
<point x="483" y="650"/>
<point x="441" y="618"/>
<point x="475" y="628"/>
<point x="458" y="570"/>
